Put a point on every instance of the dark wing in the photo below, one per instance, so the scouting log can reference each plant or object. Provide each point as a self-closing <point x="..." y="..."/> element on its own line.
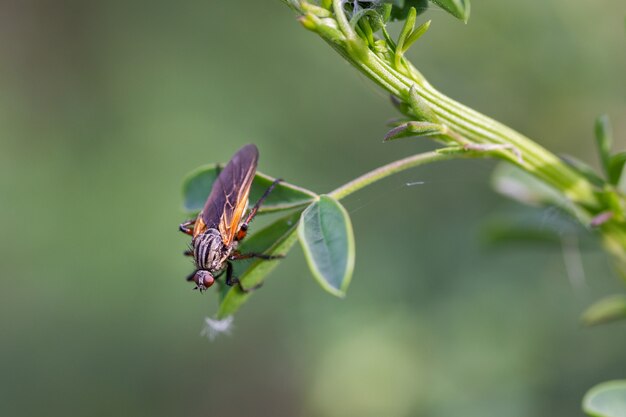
<point x="229" y="196"/>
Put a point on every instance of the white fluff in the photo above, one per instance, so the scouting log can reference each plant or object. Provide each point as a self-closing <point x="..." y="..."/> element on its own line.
<point x="214" y="327"/>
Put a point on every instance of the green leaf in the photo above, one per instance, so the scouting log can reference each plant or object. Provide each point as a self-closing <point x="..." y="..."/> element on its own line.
<point x="318" y="11"/>
<point x="606" y="400"/>
<point x="409" y="24"/>
<point x="285" y="196"/>
<point x="457" y="8"/>
<point x="385" y="14"/>
<point x="419" y="108"/>
<point x="616" y="169"/>
<point x="604" y="140"/>
<point x="401" y="8"/>
<point x="416" y="34"/>
<point x="377" y="16"/>
<point x="412" y="129"/>
<point x="608" y="309"/>
<point x="326" y="236"/>
<point x="275" y="239"/>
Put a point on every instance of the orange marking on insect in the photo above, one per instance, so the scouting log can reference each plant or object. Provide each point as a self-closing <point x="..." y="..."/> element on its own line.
<point x="200" y="226"/>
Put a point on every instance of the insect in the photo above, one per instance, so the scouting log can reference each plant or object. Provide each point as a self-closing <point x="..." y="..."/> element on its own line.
<point x="221" y="224"/>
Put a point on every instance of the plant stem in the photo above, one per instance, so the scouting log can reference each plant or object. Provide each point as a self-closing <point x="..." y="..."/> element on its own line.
<point x="392" y="168"/>
<point x="480" y="129"/>
<point x="474" y="127"/>
<point x="342" y="21"/>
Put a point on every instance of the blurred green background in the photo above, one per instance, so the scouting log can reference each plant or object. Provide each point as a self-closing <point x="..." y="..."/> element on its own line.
<point x="106" y="105"/>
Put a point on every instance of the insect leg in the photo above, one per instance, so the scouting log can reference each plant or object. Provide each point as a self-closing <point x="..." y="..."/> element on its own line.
<point x="231" y="280"/>
<point x="188" y="252"/>
<point x="190" y="279"/>
<point x="187" y="227"/>
<point x="243" y="229"/>
<point x="236" y="256"/>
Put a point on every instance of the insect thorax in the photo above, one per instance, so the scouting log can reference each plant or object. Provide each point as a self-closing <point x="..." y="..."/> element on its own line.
<point x="209" y="250"/>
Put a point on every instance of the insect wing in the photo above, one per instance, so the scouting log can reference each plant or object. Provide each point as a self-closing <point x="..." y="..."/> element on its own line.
<point x="229" y="196"/>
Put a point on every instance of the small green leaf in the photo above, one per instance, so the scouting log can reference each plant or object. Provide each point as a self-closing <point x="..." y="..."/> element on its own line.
<point x="326" y="236"/>
<point x="327" y="31"/>
<point x="275" y="239"/>
<point x="385" y="15"/>
<point x="607" y="399"/>
<point x="318" y="11"/>
<point x="419" y="108"/>
<point x="416" y="34"/>
<point x="409" y="24"/>
<point x="401" y="8"/>
<point x="608" y="309"/>
<point x="616" y="168"/>
<point x="457" y="8"/>
<point x="604" y="140"/>
<point x="411" y="129"/>
<point x="285" y="196"/>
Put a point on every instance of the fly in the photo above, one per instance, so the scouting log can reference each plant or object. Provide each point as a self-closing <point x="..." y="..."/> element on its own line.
<point x="221" y="224"/>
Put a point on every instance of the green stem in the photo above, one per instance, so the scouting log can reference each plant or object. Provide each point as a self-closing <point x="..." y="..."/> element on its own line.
<point x="342" y="20"/>
<point x="480" y="129"/>
<point x="475" y="127"/>
<point x="393" y="168"/>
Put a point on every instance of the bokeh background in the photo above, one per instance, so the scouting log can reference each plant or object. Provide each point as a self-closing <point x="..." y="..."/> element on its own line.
<point x="106" y="105"/>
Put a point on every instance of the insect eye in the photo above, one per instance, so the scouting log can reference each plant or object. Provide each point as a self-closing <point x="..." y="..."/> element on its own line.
<point x="208" y="280"/>
<point x="203" y="279"/>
